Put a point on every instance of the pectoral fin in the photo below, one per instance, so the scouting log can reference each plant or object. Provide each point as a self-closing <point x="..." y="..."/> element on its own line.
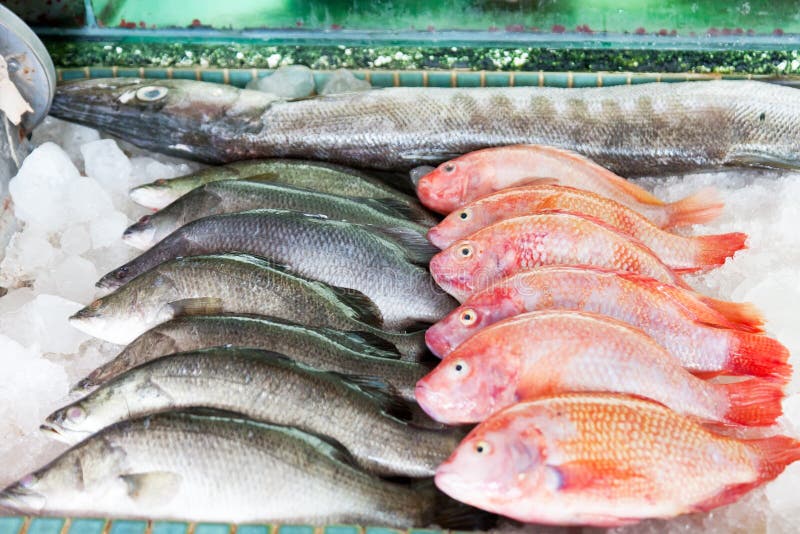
<point x="152" y="488"/>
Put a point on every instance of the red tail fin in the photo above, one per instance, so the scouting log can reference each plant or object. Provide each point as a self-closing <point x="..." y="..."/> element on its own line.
<point x="776" y="453"/>
<point x="702" y="207"/>
<point x="759" y="355"/>
<point x="742" y="313"/>
<point x="713" y="250"/>
<point x="753" y="402"/>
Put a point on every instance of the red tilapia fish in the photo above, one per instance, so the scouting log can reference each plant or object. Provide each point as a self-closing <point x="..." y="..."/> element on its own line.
<point x="464" y="179"/>
<point x="604" y="460"/>
<point x="706" y="335"/>
<point x="551" y="352"/>
<point x="553" y="238"/>
<point x="683" y="254"/>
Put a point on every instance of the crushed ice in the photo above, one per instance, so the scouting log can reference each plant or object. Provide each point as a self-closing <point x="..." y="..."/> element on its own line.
<point x="71" y="195"/>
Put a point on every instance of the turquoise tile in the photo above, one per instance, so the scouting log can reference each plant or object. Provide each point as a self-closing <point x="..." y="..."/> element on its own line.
<point x="382" y="79"/>
<point x="411" y="79"/>
<point x="128" y="72"/>
<point x="10" y="525"/>
<point x="214" y="76"/>
<point x="73" y="74"/>
<point x="526" y="79"/>
<point x="45" y="525"/>
<point x="642" y="79"/>
<point x="87" y="526"/>
<point x="468" y="79"/>
<point x="584" y="79"/>
<point x="614" y="79"/>
<point x="156" y="73"/>
<point x="212" y="528"/>
<point x="497" y="79"/>
<point x="127" y="527"/>
<point x="439" y="79"/>
<point x="252" y="529"/>
<point x="295" y="529"/>
<point x="100" y="72"/>
<point x="240" y="77"/>
<point x="168" y="527"/>
<point x="382" y="530"/>
<point x="342" y="529"/>
<point x="184" y="74"/>
<point x="556" y="79"/>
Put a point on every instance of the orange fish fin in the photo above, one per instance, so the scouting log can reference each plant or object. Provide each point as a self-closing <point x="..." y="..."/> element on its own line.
<point x="715" y="249"/>
<point x="776" y="453"/>
<point x="759" y="355"/>
<point x="702" y="207"/>
<point x="582" y="475"/>
<point x="743" y="313"/>
<point x="753" y="402"/>
<point x="726" y="496"/>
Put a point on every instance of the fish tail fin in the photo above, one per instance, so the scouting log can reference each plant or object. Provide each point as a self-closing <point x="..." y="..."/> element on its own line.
<point x="759" y="355"/>
<point x="713" y="250"/>
<point x="701" y="207"/>
<point x="775" y="453"/>
<point x="410" y="345"/>
<point x="744" y="314"/>
<point x="753" y="402"/>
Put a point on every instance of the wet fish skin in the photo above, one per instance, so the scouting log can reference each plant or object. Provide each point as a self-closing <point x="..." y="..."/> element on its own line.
<point x="706" y="335"/>
<point x="310" y="175"/>
<point x="338" y="253"/>
<point x="138" y="469"/>
<point x="229" y="283"/>
<point x="241" y="195"/>
<point x="269" y="388"/>
<point x="322" y="348"/>
<point x="601" y="459"/>
<point x="681" y="253"/>
<point x="553" y="238"/>
<point x="554" y="351"/>
<point x="482" y="172"/>
<point x="655" y="128"/>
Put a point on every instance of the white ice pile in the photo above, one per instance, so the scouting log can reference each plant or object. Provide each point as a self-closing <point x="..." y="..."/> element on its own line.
<point x="71" y="199"/>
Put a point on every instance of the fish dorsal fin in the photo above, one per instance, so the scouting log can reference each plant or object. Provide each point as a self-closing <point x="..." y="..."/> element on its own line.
<point x="326" y="445"/>
<point x="389" y="206"/>
<point x="536" y="180"/>
<point x="429" y="156"/>
<point x="382" y="394"/>
<point x="759" y="159"/>
<point x="415" y="246"/>
<point x="197" y="306"/>
<point x="364" y="309"/>
<point x="152" y="487"/>
<point x="371" y="344"/>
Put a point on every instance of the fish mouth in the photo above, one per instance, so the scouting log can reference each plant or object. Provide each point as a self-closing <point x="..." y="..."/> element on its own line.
<point x="18" y="498"/>
<point x="437" y="343"/>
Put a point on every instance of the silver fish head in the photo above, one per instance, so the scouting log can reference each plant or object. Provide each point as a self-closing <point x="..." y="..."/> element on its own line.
<point x="142" y="234"/>
<point x="157" y="194"/>
<point x="121" y="316"/>
<point x="102" y="408"/>
<point x="180" y="117"/>
<point x="23" y="497"/>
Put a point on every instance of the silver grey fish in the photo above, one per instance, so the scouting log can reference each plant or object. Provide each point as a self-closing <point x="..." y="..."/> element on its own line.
<point x="311" y="175"/>
<point x="241" y="195"/>
<point x="189" y="468"/>
<point x="348" y="353"/>
<point x="338" y="253"/>
<point x="632" y="130"/>
<point x="268" y="387"/>
<point x="231" y="283"/>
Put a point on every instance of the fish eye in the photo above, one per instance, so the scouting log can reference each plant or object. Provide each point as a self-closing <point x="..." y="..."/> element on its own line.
<point x="151" y="93"/>
<point x="483" y="447"/>
<point x="122" y="272"/>
<point x="464" y="215"/>
<point x="145" y="219"/>
<point x="96" y="304"/>
<point x="461" y="367"/>
<point x="468" y="317"/>
<point x="76" y="414"/>
<point x="28" y="480"/>
<point x="161" y="181"/>
<point x="449" y="167"/>
<point x="465" y="250"/>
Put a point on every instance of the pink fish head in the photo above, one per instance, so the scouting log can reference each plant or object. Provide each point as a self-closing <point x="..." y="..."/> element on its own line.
<point x="459" y="224"/>
<point x="468" y="386"/>
<point x="493" y="465"/>
<point x="478" y="311"/>
<point x="454" y="183"/>
<point x="471" y="265"/>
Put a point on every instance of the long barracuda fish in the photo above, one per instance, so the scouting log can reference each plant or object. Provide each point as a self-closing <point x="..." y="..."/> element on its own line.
<point x="632" y="130"/>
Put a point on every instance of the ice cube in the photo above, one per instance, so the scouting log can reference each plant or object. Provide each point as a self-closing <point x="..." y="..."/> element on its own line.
<point x="87" y="200"/>
<point x="106" y="163"/>
<point x="73" y="278"/>
<point x="292" y="81"/>
<point x="27" y="254"/>
<point x="37" y="190"/>
<point x="108" y="229"/>
<point x="75" y="240"/>
<point x="343" y="81"/>
<point x="67" y="134"/>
